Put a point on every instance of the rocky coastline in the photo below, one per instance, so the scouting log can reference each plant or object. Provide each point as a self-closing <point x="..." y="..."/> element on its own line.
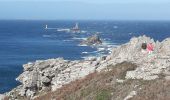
<point x="52" y="74"/>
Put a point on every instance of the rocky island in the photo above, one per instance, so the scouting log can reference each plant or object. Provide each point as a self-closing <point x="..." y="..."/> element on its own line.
<point x="92" y="40"/>
<point x="128" y="73"/>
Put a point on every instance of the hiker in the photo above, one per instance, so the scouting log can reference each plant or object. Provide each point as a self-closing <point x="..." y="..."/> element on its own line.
<point x="150" y="48"/>
<point x="143" y="48"/>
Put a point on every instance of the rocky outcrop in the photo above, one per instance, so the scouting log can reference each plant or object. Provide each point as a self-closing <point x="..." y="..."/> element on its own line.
<point x="92" y="40"/>
<point x="54" y="73"/>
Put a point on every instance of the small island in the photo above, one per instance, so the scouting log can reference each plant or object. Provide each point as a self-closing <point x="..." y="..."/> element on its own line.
<point x="92" y="40"/>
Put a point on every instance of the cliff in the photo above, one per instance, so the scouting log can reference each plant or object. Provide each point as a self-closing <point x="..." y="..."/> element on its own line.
<point x="43" y="76"/>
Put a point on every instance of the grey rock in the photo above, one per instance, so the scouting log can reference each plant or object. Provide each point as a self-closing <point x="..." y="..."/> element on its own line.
<point x="45" y="80"/>
<point x="92" y="40"/>
<point x="103" y="58"/>
<point x="43" y="65"/>
<point x="54" y="73"/>
<point x="22" y="92"/>
<point x="28" y="67"/>
<point x="30" y="93"/>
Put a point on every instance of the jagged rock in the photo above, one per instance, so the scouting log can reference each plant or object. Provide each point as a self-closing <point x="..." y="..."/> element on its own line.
<point x="46" y="81"/>
<point x="55" y="73"/>
<point x="30" y="93"/>
<point x="103" y="58"/>
<point x="165" y="48"/>
<point x="149" y="66"/>
<point x="22" y="92"/>
<point x="92" y="40"/>
<point x="91" y="58"/>
<point x="28" y="67"/>
<point x="120" y="80"/>
<point x="43" y="65"/>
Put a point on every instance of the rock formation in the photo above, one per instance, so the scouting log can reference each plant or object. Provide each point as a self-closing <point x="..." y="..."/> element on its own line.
<point x="54" y="73"/>
<point x="92" y="40"/>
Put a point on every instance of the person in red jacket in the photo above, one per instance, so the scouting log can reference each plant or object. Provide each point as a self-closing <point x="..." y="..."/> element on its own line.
<point x="150" y="48"/>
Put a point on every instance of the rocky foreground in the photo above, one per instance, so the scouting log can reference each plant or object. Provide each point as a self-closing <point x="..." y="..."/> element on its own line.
<point x="44" y="76"/>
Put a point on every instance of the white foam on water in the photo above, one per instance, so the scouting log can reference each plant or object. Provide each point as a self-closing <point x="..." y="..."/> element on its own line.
<point x="110" y="52"/>
<point x="109" y="49"/>
<point x="88" y="57"/>
<point x="107" y="43"/>
<point x="85" y="52"/>
<point x="82" y="45"/>
<point x="48" y="36"/>
<point x="105" y="48"/>
<point x="101" y="49"/>
<point x="83" y="31"/>
<point x="75" y="38"/>
<point x="67" y="40"/>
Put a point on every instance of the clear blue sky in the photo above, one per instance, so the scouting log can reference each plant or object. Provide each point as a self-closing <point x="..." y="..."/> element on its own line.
<point x="85" y="9"/>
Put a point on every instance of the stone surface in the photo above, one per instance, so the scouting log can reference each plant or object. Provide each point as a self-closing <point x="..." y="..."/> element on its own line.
<point x="131" y="94"/>
<point x="92" y="40"/>
<point x="55" y="73"/>
<point x="167" y="78"/>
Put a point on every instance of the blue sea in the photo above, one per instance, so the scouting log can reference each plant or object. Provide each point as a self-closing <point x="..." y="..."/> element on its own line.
<point x="23" y="41"/>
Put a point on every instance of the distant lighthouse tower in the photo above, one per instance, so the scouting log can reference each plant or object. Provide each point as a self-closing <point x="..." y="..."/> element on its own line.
<point x="77" y="26"/>
<point x="46" y="26"/>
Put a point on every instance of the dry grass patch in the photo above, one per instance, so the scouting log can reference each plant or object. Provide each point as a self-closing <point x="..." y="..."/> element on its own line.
<point x="103" y="86"/>
<point x="93" y="86"/>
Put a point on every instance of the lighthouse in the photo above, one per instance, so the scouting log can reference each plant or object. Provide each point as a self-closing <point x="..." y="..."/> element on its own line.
<point x="46" y="26"/>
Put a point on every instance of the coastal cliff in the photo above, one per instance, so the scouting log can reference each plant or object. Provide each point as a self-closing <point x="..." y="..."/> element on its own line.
<point x="44" y="76"/>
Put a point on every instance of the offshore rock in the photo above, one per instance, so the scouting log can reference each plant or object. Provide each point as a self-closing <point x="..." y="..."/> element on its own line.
<point x="92" y="40"/>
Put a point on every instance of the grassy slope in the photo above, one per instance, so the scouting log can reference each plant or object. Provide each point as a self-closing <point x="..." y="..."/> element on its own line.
<point x="103" y="86"/>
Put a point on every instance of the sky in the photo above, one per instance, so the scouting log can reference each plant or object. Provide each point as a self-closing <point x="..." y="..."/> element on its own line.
<point x="85" y="9"/>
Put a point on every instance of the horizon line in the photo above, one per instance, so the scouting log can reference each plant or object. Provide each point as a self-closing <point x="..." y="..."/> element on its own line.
<point x="85" y="19"/>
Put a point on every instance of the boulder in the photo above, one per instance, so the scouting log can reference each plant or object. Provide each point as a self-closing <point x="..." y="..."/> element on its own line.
<point x="46" y="81"/>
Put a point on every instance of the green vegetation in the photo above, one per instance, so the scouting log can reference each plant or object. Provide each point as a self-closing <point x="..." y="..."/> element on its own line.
<point x="103" y="95"/>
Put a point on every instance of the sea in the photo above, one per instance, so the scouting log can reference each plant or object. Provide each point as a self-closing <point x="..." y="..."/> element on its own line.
<point x="23" y="41"/>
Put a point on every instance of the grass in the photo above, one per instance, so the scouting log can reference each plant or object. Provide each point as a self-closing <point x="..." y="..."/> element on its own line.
<point x="95" y="86"/>
<point x="103" y="86"/>
<point x="103" y="95"/>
